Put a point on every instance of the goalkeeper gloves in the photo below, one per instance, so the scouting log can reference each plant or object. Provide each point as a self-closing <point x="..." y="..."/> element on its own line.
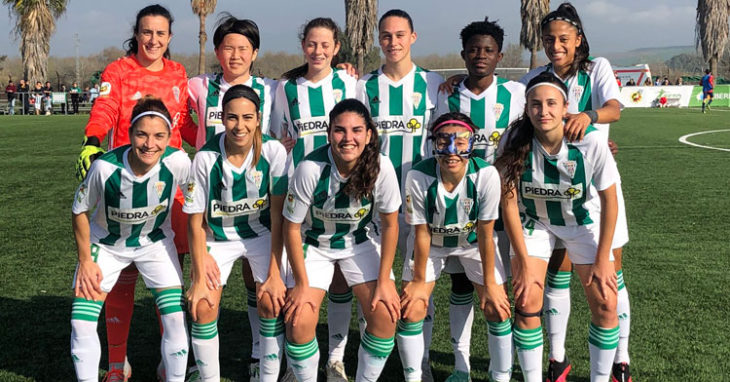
<point x="89" y="152"/>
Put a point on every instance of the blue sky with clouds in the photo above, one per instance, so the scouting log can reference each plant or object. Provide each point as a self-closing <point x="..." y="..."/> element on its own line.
<point x="611" y="26"/>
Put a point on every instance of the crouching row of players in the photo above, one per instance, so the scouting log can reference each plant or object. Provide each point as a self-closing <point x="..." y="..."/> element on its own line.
<point x="341" y="208"/>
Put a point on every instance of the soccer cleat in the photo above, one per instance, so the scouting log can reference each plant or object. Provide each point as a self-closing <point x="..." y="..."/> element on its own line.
<point x="620" y="372"/>
<point x="193" y="374"/>
<point x="336" y="372"/>
<point x="426" y="375"/>
<point x="558" y="371"/>
<point x="254" y="371"/>
<point x="288" y="376"/>
<point x="459" y="376"/>
<point x="115" y="375"/>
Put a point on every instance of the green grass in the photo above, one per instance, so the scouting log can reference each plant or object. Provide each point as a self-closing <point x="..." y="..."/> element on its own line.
<point x="676" y="265"/>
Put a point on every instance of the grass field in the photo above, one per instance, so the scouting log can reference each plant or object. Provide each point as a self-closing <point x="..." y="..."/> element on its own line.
<point x="676" y="265"/>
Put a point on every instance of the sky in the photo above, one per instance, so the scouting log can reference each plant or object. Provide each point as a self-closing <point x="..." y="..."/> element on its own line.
<point x="611" y="26"/>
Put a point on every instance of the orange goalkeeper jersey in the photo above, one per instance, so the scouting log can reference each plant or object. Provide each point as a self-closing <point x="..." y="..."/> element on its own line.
<point x="123" y="82"/>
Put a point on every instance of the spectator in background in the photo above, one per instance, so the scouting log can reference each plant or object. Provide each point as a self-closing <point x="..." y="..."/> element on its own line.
<point x="24" y="94"/>
<point x="648" y="82"/>
<point x="94" y="93"/>
<point x="10" y="91"/>
<point x="65" y="99"/>
<point x="37" y="97"/>
<point x="47" y="91"/>
<point x="75" y="92"/>
<point x="665" y="81"/>
<point x="631" y="82"/>
<point x="85" y="95"/>
<point x="679" y="81"/>
<point x="658" y="81"/>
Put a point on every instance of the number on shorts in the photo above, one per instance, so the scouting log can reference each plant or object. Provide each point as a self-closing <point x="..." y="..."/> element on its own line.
<point x="527" y="223"/>
<point x="94" y="252"/>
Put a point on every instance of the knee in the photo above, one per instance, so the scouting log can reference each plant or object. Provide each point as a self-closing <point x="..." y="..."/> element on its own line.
<point x="379" y="322"/>
<point x="206" y="313"/>
<point x="265" y="307"/>
<point x="415" y="313"/>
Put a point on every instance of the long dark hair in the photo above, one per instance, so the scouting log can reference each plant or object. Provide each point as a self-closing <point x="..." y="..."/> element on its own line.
<point x="228" y="24"/>
<point x="511" y="163"/>
<point x="566" y="12"/>
<point x="363" y="176"/>
<point x="319" y="22"/>
<point x="148" y="103"/>
<point x="243" y="91"/>
<point x="150" y="10"/>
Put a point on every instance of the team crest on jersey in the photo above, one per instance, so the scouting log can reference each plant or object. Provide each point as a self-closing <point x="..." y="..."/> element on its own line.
<point x="176" y="93"/>
<point x="136" y="96"/>
<point x="417" y="97"/>
<point x="159" y="188"/>
<point x="104" y="89"/>
<point x="82" y="192"/>
<point x="466" y="204"/>
<point x="498" y="109"/>
<point x="569" y="166"/>
<point x="577" y="92"/>
<point x="337" y="93"/>
<point x="290" y="202"/>
<point x="256" y="176"/>
<point x="409" y="204"/>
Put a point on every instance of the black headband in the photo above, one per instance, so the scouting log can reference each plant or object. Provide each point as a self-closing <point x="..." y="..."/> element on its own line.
<point x="547" y="20"/>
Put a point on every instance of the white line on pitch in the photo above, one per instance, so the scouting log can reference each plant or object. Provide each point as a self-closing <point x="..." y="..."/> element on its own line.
<point x="683" y="139"/>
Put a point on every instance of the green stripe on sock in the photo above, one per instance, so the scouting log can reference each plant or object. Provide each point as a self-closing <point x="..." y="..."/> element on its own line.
<point x="378" y="347"/>
<point x="409" y="328"/>
<point x="500" y="328"/>
<point x="169" y="300"/>
<point x="271" y="327"/>
<point x="340" y="298"/>
<point x="620" y="277"/>
<point x="559" y="279"/>
<point x="527" y="339"/>
<point x="461" y="299"/>
<point x="603" y="338"/>
<point x="204" y="331"/>
<point x="251" y="297"/>
<point x="301" y="352"/>
<point x="86" y="310"/>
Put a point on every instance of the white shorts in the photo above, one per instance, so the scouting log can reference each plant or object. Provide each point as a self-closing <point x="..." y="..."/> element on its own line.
<point x="463" y="260"/>
<point x="621" y="234"/>
<point x="581" y="242"/>
<point x="256" y="250"/>
<point x="157" y="263"/>
<point x="404" y="231"/>
<point x="358" y="264"/>
<point x="502" y="247"/>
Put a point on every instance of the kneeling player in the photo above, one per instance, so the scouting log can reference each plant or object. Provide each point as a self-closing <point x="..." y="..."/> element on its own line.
<point x="452" y="202"/>
<point x="132" y="188"/>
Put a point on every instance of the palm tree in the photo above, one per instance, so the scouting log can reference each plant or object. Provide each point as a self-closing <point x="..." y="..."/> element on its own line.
<point x="360" y="20"/>
<point x="532" y="12"/>
<point x="35" y="23"/>
<point x="711" y="31"/>
<point x="202" y="8"/>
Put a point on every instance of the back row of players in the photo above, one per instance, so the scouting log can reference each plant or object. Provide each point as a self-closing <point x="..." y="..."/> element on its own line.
<point x="328" y="158"/>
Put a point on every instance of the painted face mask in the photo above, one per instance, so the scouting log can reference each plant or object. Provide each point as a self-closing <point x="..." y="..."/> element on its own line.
<point x="460" y="144"/>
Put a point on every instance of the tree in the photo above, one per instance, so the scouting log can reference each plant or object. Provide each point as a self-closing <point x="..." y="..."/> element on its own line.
<point x="360" y="19"/>
<point x="532" y="12"/>
<point x="35" y="23"/>
<point x="711" y="30"/>
<point x="202" y="8"/>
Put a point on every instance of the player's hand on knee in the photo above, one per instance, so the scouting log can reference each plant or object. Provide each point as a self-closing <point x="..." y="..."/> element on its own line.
<point x="298" y="299"/>
<point x="88" y="281"/>
<point x="198" y="292"/>
<point x="523" y="282"/>
<point x="495" y="303"/>
<point x="604" y="276"/>
<point x="386" y="293"/>
<point x="212" y="273"/>
<point x="89" y="152"/>
<point x="414" y="298"/>
<point x="274" y="291"/>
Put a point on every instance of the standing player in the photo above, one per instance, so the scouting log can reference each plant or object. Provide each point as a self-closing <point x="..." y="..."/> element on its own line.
<point x="238" y="182"/>
<point x="492" y="103"/>
<point x="236" y="47"/>
<point x="131" y="189"/>
<point x="145" y="69"/>
<point x="304" y="97"/>
<point x="328" y="221"/>
<point x="452" y="201"/>
<point x="592" y="99"/>
<point x="557" y="191"/>
<point x="708" y="87"/>
<point x="401" y="97"/>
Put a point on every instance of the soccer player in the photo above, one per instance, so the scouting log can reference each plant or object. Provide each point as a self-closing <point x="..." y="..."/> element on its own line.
<point x="708" y="87"/>
<point x="593" y="99"/>
<point x="234" y="198"/>
<point x="558" y="191"/>
<point x="145" y="69"/>
<point x="236" y="44"/>
<point x="492" y="103"/>
<point x="328" y="220"/>
<point x="452" y="202"/>
<point x="304" y="97"/>
<point x="131" y="190"/>
<point x="401" y="98"/>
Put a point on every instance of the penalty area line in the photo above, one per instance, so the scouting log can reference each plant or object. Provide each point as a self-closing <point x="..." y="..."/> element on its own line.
<point x="683" y="139"/>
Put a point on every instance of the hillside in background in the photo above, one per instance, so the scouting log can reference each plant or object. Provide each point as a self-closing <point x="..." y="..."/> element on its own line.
<point x="647" y="55"/>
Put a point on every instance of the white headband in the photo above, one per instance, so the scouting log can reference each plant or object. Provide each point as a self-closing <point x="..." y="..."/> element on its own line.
<point x="156" y="114"/>
<point x="565" y="96"/>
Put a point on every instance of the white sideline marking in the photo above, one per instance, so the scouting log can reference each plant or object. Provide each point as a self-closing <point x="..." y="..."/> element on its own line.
<point x="683" y="139"/>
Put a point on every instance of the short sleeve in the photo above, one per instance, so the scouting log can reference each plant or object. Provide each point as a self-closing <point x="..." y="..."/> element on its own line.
<point x="605" y="86"/>
<point x="361" y="93"/>
<point x="182" y="163"/>
<point x="89" y="191"/>
<point x="301" y="188"/>
<point x="489" y="193"/>
<point x="387" y="191"/>
<point x="196" y="191"/>
<point x="415" y="199"/>
<point x="605" y="172"/>
<point x="277" y="168"/>
<point x="279" y="122"/>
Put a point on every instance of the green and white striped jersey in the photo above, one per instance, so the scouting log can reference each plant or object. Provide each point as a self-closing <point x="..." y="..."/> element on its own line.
<point x="206" y="97"/>
<point x="452" y="216"/>
<point x="402" y="110"/>
<point x="235" y="200"/>
<point x="301" y="109"/>
<point x="131" y="211"/>
<point x="332" y="219"/>
<point x="492" y="111"/>
<point x="587" y="90"/>
<point x="562" y="189"/>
